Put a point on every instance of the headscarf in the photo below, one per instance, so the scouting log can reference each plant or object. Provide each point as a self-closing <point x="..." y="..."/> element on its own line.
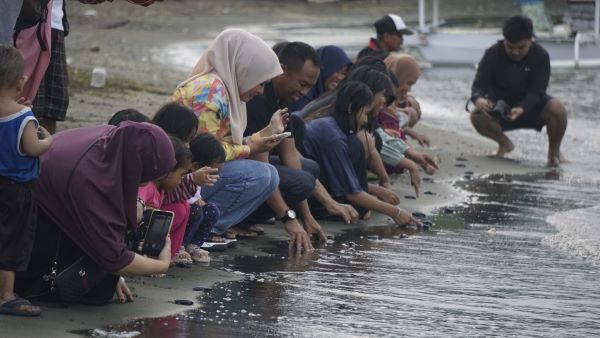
<point x="402" y="65"/>
<point x="333" y="58"/>
<point x="89" y="183"/>
<point x="241" y="61"/>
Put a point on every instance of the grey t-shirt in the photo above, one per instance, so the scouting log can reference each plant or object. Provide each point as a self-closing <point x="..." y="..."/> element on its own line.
<point x="9" y="12"/>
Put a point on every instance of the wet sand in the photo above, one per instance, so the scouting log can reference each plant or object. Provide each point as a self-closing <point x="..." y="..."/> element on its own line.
<point x="126" y="38"/>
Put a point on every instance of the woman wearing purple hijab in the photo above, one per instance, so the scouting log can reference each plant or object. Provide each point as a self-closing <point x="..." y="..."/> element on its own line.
<point x="87" y="191"/>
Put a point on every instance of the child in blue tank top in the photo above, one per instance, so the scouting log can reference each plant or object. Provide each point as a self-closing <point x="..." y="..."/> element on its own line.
<point x="22" y="140"/>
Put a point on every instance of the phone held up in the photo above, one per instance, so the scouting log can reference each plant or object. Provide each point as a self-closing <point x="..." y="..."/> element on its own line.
<point x="152" y="231"/>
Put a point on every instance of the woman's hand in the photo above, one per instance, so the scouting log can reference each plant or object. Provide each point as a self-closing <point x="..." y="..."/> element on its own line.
<point x="415" y="177"/>
<point x="345" y="211"/>
<point x="259" y="144"/>
<point x="424" y="160"/>
<point x="165" y="253"/>
<point x="279" y="122"/>
<point x="405" y="218"/>
<point x="123" y="292"/>
<point x="384" y="194"/>
<point x="206" y="176"/>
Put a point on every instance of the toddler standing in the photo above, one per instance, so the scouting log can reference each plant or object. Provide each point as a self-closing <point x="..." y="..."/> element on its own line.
<point x="23" y="140"/>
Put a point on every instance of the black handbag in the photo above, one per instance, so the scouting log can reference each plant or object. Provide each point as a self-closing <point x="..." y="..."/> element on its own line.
<point x="74" y="282"/>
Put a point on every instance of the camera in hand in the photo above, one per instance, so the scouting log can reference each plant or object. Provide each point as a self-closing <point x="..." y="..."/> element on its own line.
<point x="500" y="110"/>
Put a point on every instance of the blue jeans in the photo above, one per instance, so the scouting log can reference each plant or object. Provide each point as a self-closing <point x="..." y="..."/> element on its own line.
<point x="242" y="187"/>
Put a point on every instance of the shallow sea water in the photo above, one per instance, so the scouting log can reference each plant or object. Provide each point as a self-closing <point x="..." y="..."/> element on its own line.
<point x="482" y="270"/>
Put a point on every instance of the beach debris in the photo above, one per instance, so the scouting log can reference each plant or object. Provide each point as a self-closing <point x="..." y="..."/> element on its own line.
<point x="373" y="237"/>
<point x="95" y="48"/>
<point x="402" y="236"/>
<point x="449" y="210"/>
<point x="460" y="165"/>
<point x="98" y="77"/>
<point x="470" y="173"/>
<point x="492" y="231"/>
<point x="461" y="159"/>
<point x="409" y="197"/>
<point x="114" y="334"/>
<point x="183" y="302"/>
<point x="428" y="179"/>
<point x="90" y="12"/>
<point x="431" y="193"/>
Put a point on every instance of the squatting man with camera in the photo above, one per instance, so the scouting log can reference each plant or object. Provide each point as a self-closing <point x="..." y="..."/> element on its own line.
<point x="509" y="91"/>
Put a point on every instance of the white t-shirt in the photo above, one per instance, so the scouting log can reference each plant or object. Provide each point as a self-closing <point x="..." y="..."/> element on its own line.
<point x="57" y="14"/>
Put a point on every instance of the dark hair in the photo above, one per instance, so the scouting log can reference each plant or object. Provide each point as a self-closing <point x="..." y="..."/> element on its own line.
<point x="351" y="98"/>
<point x="206" y="150"/>
<point x="375" y="79"/>
<point x="370" y="60"/>
<point x="295" y="54"/>
<point x="177" y="120"/>
<point x="12" y="66"/>
<point x="183" y="155"/>
<point x="368" y="53"/>
<point x="279" y="46"/>
<point x="128" y="115"/>
<point x="392" y="77"/>
<point x="517" y="28"/>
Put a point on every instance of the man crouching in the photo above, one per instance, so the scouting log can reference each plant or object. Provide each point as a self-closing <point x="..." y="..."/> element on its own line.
<point x="509" y="91"/>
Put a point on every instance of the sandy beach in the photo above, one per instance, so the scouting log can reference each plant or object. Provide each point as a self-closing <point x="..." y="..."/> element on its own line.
<point x="125" y="40"/>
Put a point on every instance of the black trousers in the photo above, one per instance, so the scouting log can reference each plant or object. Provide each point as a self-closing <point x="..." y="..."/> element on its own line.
<point x="295" y="186"/>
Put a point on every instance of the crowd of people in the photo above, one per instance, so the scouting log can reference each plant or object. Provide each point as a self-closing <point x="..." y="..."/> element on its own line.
<point x="255" y="133"/>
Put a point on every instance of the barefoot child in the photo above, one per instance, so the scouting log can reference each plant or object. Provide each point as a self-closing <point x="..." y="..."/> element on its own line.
<point x="23" y="140"/>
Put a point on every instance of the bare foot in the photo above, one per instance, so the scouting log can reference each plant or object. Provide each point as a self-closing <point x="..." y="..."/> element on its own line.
<point x="503" y="149"/>
<point x="556" y="159"/>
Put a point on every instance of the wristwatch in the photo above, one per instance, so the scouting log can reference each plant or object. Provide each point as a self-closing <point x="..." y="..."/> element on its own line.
<point x="288" y="216"/>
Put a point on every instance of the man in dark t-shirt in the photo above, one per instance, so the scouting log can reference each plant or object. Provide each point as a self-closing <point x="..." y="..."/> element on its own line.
<point x="509" y="91"/>
<point x="297" y="176"/>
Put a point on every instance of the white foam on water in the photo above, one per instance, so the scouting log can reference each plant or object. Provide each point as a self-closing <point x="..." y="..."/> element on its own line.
<point x="578" y="233"/>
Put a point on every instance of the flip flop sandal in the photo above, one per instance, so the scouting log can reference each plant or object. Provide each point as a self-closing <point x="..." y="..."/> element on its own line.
<point x="182" y="258"/>
<point x="229" y="234"/>
<point x="231" y="243"/>
<point x="213" y="246"/>
<point x="256" y="229"/>
<point x="243" y="234"/>
<point x="14" y="307"/>
<point x="214" y="238"/>
<point x="198" y="255"/>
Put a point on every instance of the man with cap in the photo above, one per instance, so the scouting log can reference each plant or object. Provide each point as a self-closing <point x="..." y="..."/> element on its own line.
<point x="390" y="30"/>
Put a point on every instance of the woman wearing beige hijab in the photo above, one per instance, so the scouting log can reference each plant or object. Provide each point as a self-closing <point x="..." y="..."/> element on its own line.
<point x="230" y="73"/>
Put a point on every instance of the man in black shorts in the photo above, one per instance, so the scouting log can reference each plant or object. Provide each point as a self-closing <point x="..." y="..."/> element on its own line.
<point x="509" y="91"/>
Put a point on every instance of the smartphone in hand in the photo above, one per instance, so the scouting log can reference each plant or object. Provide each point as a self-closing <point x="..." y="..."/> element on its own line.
<point x="158" y="226"/>
<point x="283" y="135"/>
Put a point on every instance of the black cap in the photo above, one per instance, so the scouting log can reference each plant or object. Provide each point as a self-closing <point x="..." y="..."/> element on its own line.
<point x="391" y="23"/>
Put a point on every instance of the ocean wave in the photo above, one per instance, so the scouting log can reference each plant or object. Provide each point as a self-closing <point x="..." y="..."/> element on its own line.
<point x="578" y="233"/>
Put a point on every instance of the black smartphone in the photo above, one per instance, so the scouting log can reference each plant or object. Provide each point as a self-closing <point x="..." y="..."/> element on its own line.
<point x="159" y="225"/>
